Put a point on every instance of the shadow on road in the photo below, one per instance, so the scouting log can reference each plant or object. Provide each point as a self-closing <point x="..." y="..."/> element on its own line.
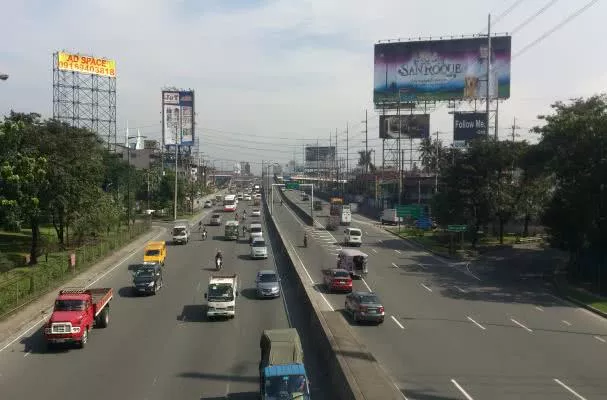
<point x="127" y="291"/>
<point x="425" y="395"/>
<point x="193" y="313"/>
<point x="234" y="396"/>
<point x="249" y="293"/>
<point x="218" y="377"/>
<point x="36" y="344"/>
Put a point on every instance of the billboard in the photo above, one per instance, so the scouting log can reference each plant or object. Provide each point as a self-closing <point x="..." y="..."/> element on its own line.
<point x="408" y="126"/>
<point x="178" y="117"/>
<point x="468" y="126"/>
<point x="86" y="64"/>
<point x="439" y="70"/>
<point x="320" y="153"/>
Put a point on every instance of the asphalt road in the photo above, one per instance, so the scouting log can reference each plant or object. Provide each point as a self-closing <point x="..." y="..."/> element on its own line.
<point x="452" y="332"/>
<point x="162" y="347"/>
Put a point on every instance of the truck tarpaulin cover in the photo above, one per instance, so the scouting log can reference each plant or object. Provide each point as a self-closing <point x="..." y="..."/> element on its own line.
<point x="281" y="346"/>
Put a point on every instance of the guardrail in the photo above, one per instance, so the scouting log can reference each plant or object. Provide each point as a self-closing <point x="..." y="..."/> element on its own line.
<point x="353" y="371"/>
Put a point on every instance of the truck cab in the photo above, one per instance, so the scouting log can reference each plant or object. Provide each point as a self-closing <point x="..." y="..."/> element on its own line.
<point x="221" y="296"/>
<point x="155" y="252"/>
<point x="181" y="231"/>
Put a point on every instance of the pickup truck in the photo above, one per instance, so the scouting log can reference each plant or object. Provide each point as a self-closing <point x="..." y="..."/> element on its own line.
<point x="221" y="296"/>
<point x="75" y="313"/>
<point x="282" y="374"/>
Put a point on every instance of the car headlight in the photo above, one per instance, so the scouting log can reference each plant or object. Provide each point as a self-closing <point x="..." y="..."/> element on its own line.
<point x="151" y="284"/>
<point x="75" y="329"/>
<point x="230" y="308"/>
<point x="275" y="289"/>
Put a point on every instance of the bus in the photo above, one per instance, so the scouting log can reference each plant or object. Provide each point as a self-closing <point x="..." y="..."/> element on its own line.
<point x="229" y="203"/>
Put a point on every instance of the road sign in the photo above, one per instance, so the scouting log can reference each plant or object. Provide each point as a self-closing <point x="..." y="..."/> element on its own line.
<point x="292" y="185"/>
<point x="457" y="228"/>
<point x="412" y="210"/>
<point x="423" y="223"/>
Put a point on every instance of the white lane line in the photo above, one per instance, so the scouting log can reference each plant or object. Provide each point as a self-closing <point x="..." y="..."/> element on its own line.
<point x="26" y="354"/>
<point x="426" y="287"/>
<point x="396" y="322"/>
<point x="301" y="262"/>
<point x="379" y="241"/>
<point x="476" y="323"/>
<point x="567" y="323"/>
<point x="459" y="288"/>
<point x="521" y="325"/>
<point x="327" y="301"/>
<point x="41" y="320"/>
<point x="422" y="266"/>
<point x="400" y="391"/>
<point x="373" y="250"/>
<point x="394" y="265"/>
<point x="470" y="272"/>
<point x="461" y="389"/>
<point x="573" y="392"/>
<point x="398" y="251"/>
<point x="539" y="308"/>
<point x="227" y="390"/>
<point x="368" y="287"/>
<point x="600" y="339"/>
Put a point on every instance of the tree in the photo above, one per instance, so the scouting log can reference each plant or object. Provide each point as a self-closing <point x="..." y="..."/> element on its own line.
<point x="247" y="168"/>
<point x="364" y="160"/>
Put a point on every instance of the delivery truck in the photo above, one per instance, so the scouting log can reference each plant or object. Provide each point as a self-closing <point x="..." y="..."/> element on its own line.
<point x="221" y="296"/>
<point x="76" y="312"/>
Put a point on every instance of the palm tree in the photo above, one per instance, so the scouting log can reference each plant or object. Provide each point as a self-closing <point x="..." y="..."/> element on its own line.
<point x="364" y="160"/>
<point x="427" y="151"/>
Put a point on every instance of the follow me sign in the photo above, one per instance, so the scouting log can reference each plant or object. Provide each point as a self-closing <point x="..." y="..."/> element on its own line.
<point x="468" y="126"/>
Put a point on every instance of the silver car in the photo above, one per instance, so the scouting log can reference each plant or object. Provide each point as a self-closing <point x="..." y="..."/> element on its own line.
<point x="267" y="283"/>
<point x="258" y="248"/>
<point x="215" y="219"/>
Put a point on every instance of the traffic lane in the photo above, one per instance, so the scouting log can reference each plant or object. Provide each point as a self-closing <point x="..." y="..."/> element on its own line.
<point x="134" y="317"/>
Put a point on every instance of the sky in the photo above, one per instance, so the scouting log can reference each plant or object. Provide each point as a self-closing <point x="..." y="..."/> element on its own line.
<point x="272" y="76"/>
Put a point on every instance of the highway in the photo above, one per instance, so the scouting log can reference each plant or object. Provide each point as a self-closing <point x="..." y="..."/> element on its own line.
<point x="453" y="333"/>
<point x="162" y="347"/>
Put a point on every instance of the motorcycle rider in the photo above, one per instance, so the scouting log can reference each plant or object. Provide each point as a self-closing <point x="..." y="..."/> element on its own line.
<point x="305" y="239"/>
<point x="204" y="233"/>
<point x="219" y="256"/>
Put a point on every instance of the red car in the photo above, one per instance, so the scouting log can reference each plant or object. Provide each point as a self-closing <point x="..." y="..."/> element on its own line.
<point x="338" y="280"/>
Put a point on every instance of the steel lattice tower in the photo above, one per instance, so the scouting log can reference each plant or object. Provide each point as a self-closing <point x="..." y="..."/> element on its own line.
<point x="85" y="101"/>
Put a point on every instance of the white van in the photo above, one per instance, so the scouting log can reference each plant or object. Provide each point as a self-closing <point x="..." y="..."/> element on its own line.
<point x="353" y="237"/>
<point x="389" y="216"/>
<point x="255" y="232"/>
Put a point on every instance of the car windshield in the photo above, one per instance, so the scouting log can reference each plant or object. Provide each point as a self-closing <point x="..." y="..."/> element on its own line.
<point x="255" y="229"/>
<point x="341" y="274"/>
<point x="259" y="243"/>
<point x="70" y="305"/>
<point x="369" y="299"/>
<point x="153" y="252"/>
<point x="280" y="387"/>
<point x="220" y="292"/>
<point x="144" y="273"/>
<point x="355" y="233"/>
<point x="268" y="278"/>
<point x="216" y="216"/>
<point x="178" y="231"/>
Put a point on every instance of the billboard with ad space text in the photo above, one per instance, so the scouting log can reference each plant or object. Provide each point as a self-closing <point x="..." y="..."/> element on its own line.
<point x="86" y="64"/>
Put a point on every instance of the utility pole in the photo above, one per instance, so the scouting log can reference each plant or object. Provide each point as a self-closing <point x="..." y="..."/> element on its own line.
<point x="437" y="165"/>
<point x="488" y="100"/>
<point x="347" y="155"/>
<point x="514" y="129"/>
<point x="367" y="158"/>
<point x="178" y="128"/>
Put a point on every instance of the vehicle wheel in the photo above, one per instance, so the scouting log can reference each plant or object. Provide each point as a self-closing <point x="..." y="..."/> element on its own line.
<point x="104" y="318"/>
<point x="154" y="289"/>
<point x="85" y="338"/>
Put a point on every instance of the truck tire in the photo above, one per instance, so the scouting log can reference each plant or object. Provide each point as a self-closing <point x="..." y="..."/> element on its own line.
<point x="85" y="338"/>
<point x="104" y="318"/>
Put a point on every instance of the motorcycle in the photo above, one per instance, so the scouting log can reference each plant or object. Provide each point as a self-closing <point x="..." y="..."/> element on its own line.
<point x="204" y="235"/>
<point x="218" y="263"/>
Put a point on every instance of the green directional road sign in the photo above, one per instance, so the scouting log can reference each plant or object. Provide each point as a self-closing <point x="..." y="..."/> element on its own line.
<point x="457" y="228"/>
<point x="411" y="210"/>
<point x="292" y="185"/>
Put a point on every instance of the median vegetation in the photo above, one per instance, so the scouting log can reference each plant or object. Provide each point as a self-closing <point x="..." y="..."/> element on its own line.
<point x="66" y="201"/>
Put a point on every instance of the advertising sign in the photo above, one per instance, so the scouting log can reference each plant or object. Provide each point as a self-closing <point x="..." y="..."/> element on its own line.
<point x="439" y="70"/>
<point x="410" y="126"/>
<point x="320" y="153"/>
<point x="86" y="64"/>
<point x="468" y="126"/>
<point x="178" y="117"/>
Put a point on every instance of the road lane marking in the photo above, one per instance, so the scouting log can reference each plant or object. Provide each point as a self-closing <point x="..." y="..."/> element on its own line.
<point x="396" y="322"/>
<point x="365" y="283"/>
<point x="599" y="339"/>
<point x="573" y="392"/>
<point x="373" y="250"/>
<point x="567" y="323"/>
<point x="426" y="287"/>
<point x="398" y="251"/>
<point x="122" y="261"/>
<point x="301" y="262"/>
<point x="461" y="389"/>
<point x="539" y="308"/>
<point x="470" y="272"/>
<point x="284" y="300"/>
<point x="379" y="241"/>
<point x="394" y="265"/>
<point x="459" y="288"/>
<point x="521" y="325"/>
<point x="422" y="266"/>
<point x="26" y="354"/>
<point x="400" y="391"/>
<point x="327" y="301"/>
<point x="476" y="323"/>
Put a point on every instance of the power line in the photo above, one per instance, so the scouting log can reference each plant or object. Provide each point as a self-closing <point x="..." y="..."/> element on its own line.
<point x="555" y="28"/>
<point x="534" y="16"/>
<point x="503" y="14"/>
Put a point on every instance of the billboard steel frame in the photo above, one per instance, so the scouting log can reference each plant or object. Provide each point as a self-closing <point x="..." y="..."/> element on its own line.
<point x="85" y="101"/>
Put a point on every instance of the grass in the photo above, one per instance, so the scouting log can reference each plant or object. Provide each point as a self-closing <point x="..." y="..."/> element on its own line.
<point x="581" y="295"/>
<point x="437" y="242"/>
<point x="24" y="283"/>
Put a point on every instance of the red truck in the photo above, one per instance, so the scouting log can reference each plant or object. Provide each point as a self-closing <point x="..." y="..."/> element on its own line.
<point x="75" y="313"/>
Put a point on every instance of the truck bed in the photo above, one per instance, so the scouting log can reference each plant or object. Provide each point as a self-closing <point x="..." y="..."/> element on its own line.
<point x="100" y="296"/>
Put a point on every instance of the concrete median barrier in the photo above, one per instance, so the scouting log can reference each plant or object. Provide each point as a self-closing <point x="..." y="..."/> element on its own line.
<point x="353" y="371"/>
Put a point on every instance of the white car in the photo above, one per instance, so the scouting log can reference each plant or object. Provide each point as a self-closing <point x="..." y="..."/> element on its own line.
<point x="255" y="231"/>
<point x="258" y="248"/>
<point x="256" y="213"/>
<point x="353" y="237"/>
<point x="247" y="197"/>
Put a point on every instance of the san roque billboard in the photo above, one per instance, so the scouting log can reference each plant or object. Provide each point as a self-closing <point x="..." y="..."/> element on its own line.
<point x="178" y="117"/>
<point x="440" y="70"/>
<point x="407" y="126"/>
<point x="86" y="64"/>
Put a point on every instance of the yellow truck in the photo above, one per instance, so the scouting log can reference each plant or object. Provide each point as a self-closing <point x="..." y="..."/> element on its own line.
<point x="155" y="252"/>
